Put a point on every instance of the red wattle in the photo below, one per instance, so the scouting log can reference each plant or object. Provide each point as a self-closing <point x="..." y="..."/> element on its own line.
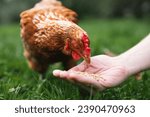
<point x="75" y="56"/>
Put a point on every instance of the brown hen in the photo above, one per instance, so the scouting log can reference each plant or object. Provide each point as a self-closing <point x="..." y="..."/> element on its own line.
<point x="50" y="35"/>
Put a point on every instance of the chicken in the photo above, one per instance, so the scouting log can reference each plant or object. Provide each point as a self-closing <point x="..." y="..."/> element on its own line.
<point x="50" y="34"/>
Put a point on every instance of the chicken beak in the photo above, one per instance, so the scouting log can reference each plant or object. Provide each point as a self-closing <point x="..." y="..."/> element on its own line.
<point x="87" y="59"/>
<point x="77" y="56"/>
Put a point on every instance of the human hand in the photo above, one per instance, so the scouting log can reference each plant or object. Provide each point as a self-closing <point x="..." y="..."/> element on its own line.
<point x="103" y="72"/>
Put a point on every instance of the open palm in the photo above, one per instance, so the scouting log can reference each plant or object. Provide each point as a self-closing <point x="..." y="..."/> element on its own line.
<point x="103" y="72"/>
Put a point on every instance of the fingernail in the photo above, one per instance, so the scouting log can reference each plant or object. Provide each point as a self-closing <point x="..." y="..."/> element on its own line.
<point x="56" y="72"/>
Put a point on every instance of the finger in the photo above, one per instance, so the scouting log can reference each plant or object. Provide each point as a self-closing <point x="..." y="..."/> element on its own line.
<point x="80" y="78"/>
<point x="59" y="73"/>
<point x="56" y="73"/>
<point x="62" y="74"/>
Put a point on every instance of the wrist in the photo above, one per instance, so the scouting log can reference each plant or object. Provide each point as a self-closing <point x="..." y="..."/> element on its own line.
<point x="125" y="61"/>
<point x="137" y="58"/>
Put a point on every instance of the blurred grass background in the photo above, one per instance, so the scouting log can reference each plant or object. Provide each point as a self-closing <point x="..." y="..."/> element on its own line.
<point x="113" y="24"/>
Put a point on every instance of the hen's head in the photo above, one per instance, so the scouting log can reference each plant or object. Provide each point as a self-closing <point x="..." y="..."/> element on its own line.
<point x="78" y="45"/>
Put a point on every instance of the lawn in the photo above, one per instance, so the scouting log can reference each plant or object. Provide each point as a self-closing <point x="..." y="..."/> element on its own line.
<point x="17" y="81"/>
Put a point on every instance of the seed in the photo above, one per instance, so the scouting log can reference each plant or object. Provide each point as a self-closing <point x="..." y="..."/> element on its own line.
<point x="94" y="76"/>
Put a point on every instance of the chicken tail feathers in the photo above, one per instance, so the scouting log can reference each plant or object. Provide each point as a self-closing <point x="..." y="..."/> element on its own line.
<point x="57" y="6"/>
<point x="48" y="4"/>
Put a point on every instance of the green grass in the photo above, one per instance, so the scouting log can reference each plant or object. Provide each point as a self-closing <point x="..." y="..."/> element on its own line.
<point x="17" y="81"/>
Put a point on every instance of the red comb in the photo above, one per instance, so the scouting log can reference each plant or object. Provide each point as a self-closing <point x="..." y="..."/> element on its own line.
<point x="85" y="41"/>
<point x="87" y="51"/>
<point x="85" y="38"/>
